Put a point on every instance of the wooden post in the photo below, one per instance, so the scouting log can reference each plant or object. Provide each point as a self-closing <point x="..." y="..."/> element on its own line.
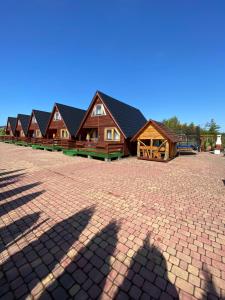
<point x="151" y="148"/>
<point x="138" y="148"/>
<point x="167" y="151"/>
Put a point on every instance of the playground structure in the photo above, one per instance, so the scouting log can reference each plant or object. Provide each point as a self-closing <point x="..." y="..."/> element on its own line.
<point x="188" y="143"/>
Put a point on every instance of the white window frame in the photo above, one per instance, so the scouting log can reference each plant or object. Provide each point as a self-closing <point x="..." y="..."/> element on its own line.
<point x="102" y="110"/>
<point x="62" y="132"/>
<point x="57" y="116"/>
<point x="113" y="130"/>
<point x="38" y="133"/>
<point x="34" y="121"/>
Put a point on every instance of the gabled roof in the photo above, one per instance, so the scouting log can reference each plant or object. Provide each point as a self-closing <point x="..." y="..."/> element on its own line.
<point x="162" y="128"/>
<point x="42" y="118"/>
<point x="24" y="119"/>
<point x="71" y="116"/>
<point x="12" y="121"/>
<point x="128" y="118"/>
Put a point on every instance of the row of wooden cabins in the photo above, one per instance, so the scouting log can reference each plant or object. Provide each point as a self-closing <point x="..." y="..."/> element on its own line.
<point x="109" y="128"/>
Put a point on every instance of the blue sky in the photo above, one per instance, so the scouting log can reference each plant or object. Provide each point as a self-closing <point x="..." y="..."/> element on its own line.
<point x="165" y="57"/>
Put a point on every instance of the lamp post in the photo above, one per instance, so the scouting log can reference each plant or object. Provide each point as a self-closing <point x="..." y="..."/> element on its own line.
<point x="218" y="144"/>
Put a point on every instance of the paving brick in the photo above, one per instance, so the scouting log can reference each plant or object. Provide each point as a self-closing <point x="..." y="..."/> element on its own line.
<point x="179" y="272"/>
<point x="184" y="285"/>
<point x="184" y="251"/>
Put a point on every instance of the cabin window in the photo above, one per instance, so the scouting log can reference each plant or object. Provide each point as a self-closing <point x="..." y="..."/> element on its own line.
<point x="22" y="133"/>
<point x="57" y="116"/>
<point x="112" y="134"/>
<point x="98" y="110"/>
<point x="94" y="135"/>
<point x="38" y="133"/>
<point x="109" y="134"/>
<point x="19" y="123"/>
<point x="64" y="133"/>
<point x="33" y="121"/>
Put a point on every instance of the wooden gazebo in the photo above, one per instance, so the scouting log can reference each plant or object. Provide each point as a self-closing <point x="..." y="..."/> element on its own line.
<point x="155" y="141"/>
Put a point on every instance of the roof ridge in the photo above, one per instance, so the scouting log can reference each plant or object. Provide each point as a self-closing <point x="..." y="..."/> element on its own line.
<point x="56" y="103"/>
<point x="41" y="111"/>
<point x="133" y="107"/>
<point x="23" y="115"/>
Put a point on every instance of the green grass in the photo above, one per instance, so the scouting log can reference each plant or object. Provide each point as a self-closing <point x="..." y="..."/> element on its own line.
<point x="91" y="153"/>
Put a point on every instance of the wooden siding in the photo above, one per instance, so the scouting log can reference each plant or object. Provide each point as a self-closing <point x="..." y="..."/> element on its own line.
<point x="8" y="130"/>
<point x="33" y="126"/>
<point x="146" y="148"/>
<point x="55" y="127"/>
<point x="101" y="123"/>
<point x="150" y="132"/>
<point x="19" y="129"/>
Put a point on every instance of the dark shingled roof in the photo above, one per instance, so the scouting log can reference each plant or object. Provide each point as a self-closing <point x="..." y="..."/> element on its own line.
<point x="72" y="117"/>
<point x="42" y="118"/>
<point x="129" y="118"/>
<point x="25" y="120"/>
<point x="12" y="121"/>
<point x="162" y="128"/>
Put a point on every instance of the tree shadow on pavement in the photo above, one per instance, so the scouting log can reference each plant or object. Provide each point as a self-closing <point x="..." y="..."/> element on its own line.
<point x="10" y="232"/>
<point x="37" y="260"/>
<point x="13" y="192"/>
<point x="147" y="277"/>
<point x="14" y="204"/>
<point x="86" y="276"/>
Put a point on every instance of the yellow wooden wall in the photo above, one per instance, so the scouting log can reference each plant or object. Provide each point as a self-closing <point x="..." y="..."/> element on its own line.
<point x="150" y="133"/>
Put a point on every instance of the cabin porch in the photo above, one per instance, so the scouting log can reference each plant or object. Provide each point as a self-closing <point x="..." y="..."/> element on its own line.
<point x="53" y="144"/>
<point x="100" y="147"/>
<point x="92" y="139"/>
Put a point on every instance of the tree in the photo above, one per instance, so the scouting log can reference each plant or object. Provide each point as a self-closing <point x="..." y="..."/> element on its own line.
<point x="212" y="127"/>
<point x="2" y="131"/>
<point x="173" y="123"/>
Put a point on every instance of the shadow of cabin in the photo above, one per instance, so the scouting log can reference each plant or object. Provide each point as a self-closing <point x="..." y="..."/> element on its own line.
<point x="13" y="192"/>
<point x="10" y="177"/>
<point x="10" y="172"/>
<point x="14" y="204"/>
<point x="89" y="269"/>
<point x="210" y="291"/>
<point x="147" y="277"/>
<point x="10" y="232"/>
<point x="36" y="260"/>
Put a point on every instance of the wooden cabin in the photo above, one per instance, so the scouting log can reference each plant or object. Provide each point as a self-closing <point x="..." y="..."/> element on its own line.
<point x="22" y="126"/>
<point x="63" y="123"/>
<point x="155" y="141"/>
<point x="38" y="124"/>
<point x="11" y="126"/>
<point x="108" y="126"/>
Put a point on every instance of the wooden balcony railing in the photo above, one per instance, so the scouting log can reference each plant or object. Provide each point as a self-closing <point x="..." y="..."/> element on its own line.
<point x="104" y="147"/>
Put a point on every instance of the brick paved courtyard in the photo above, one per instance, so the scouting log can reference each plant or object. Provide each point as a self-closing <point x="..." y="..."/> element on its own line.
<point x="71" y="227"/>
